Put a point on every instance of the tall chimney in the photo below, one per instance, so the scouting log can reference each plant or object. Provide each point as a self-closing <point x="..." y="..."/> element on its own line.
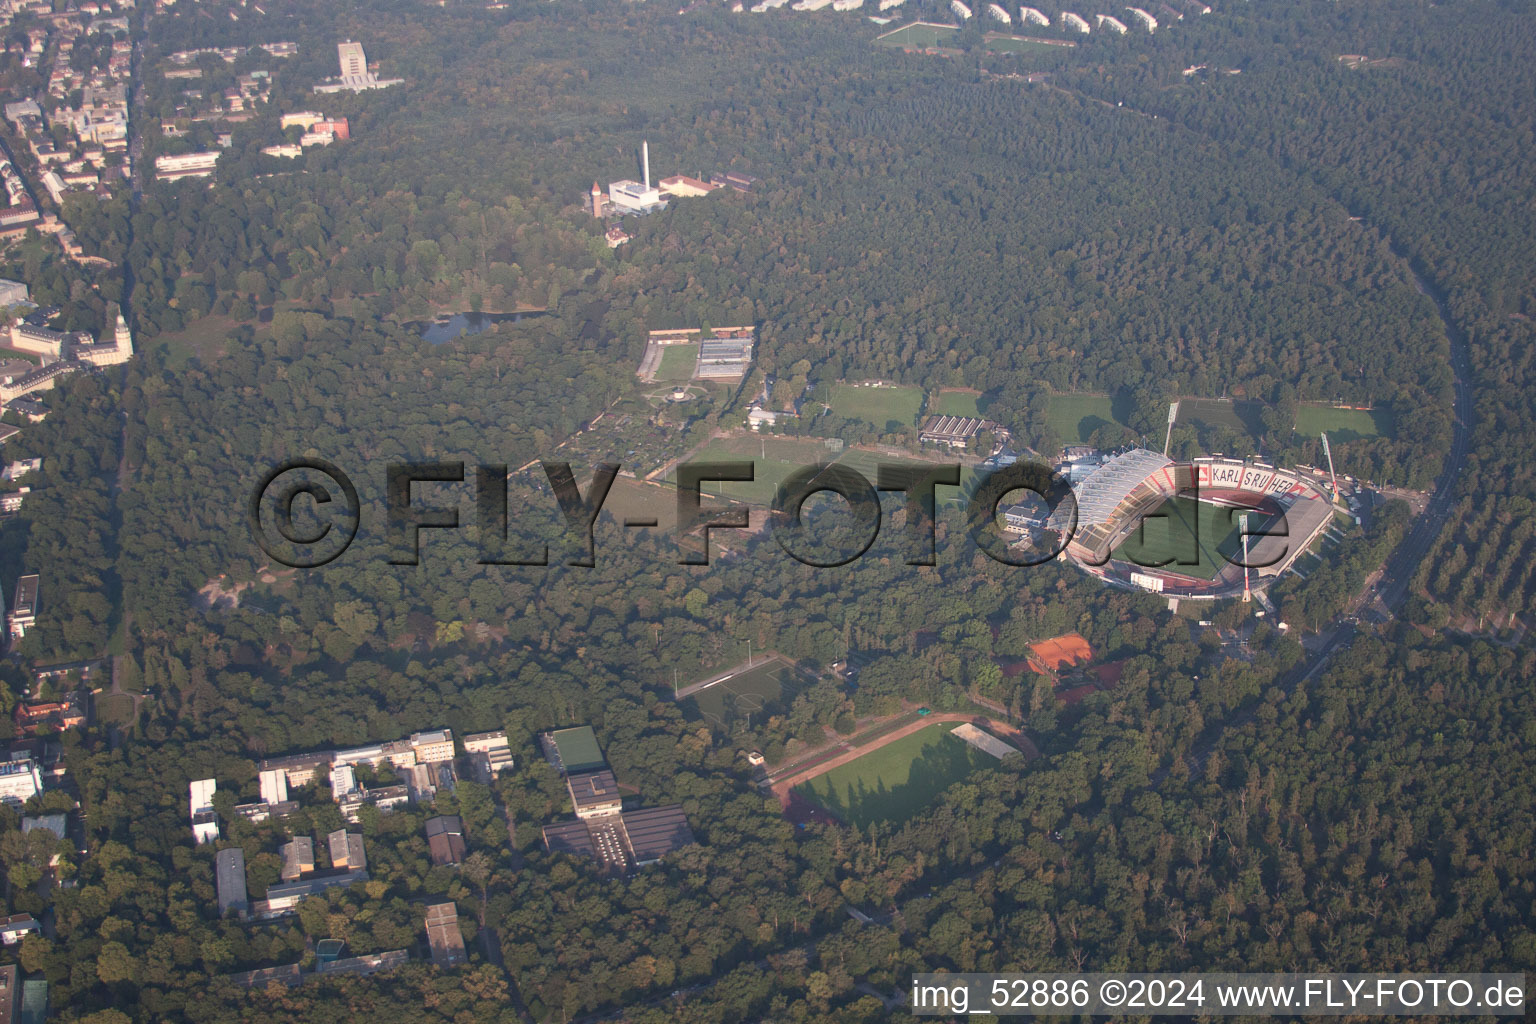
<point x="645" y="161"/>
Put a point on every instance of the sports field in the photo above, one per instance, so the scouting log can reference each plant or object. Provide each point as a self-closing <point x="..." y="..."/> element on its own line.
<point x="1074" y="418"/>
<point x="918" y="36"/>
<point x="997" y="42"/>
<point x="773" y="459"/>
<point x="1243" y="417"/>
<point x="678" y="362"/>
<point x="954" y="403"/>
<point x="769" y="687"/>
<point x="879" y="406"/>
<point x="1170" y="532"/>
<point x="897" y="780"/>
<point x="1343" y="424"/>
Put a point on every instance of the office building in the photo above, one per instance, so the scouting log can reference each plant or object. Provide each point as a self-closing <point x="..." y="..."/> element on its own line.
<point x="489" y="752"/>
<point x="431" y="747"/>
<point x="229" y="877"/>
<point x="284" y="897"/>
<point x="186" y="165"/>
<point x="354" y="62"/>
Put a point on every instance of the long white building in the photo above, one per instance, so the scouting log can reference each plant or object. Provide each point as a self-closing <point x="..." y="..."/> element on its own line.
<point x="961" y="11"/>
<point x="1147" y="21"/>
<point x="1113" y="24"/>
<point x="1032" y="16"/>
<point x="1072" y="21"/>
<point x="997" y="12"/>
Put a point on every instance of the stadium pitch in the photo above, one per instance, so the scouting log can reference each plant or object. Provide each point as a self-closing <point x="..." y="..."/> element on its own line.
<point x="1200" y="539"/>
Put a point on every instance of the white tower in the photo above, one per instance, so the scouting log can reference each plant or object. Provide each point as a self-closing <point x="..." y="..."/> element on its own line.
<point x="645" y="163"/>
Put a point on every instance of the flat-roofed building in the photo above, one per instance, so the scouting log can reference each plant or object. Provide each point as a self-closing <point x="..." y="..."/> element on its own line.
<point x="573" y="750"/>
<point x="489" y="752"/>
<point x="594" y="794"/>
<point x="187" y="165"/>
<point x="299" y="769"/>
<point x="653" y="832"/>
<point x="229" y="876"/>
<point x="284" y="897"/>
<point x="445" y="839"/>
<point x="343" y="781"/>
<point x="13" y="293"/>
<point x="433" y="746"/>
<point x="274" y="786"/>
<point x="298" y="858"/>
<point x="10" y="994"/>
<point x="347" y="850"/>
<point x="205" y="824"/>
<point x="443" y="935"/>
<point x="633" y="195"/>
<point x="23" y="615"/>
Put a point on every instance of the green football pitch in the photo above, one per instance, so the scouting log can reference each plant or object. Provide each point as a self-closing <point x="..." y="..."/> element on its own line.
<point x="1201" y="539"/>
<point x="899" y="779"/>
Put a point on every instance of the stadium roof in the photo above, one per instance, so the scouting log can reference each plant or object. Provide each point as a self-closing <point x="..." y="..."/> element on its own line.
<point x="1102" y="492"/>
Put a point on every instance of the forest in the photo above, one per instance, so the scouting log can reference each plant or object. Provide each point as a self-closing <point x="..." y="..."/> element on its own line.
<point x="1120" y="228"/>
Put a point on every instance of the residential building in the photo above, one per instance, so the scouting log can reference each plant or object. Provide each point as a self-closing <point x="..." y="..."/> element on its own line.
<point x="68" y="713"/>
<point x="443" y="935"/>
<point x="298" y="858"/>
<point x="347" y="850"/>
<point x="229" y="877"/>
<point x="17" y="925"/>
<point x="445" y="839"/>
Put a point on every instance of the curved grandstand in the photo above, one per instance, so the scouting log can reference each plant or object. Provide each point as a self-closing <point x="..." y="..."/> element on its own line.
<point x="1142" y="520"/>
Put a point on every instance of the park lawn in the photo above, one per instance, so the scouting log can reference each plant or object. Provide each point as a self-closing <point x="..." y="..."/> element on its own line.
<point x="898" y="780"/>
<point x="878" y="406"/>
<point x="678" y="362"/>
<point x="1343" y="424"/>
<point x="1074" y="418"/>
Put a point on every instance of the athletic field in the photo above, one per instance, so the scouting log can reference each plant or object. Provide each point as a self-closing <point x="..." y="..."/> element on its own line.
<point x="1343" y="424"/>
<point x="1076" y="417"/>
<point x="1170" y="532"/>
<point x="879" y="406"/>
<point x="767" y="688"/>
<point x="954" y="403"/>
<point x="918" y="36"/>
<point x="896" y="781"/>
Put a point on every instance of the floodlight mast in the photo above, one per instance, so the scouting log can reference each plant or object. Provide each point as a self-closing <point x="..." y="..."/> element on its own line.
<point x="1333" y="478"/>
<point x="1242" y="525"/>
<point x="1173" y="414"/>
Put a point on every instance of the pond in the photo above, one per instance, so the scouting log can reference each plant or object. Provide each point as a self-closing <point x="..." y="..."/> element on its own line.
<point x="454" y="325"/>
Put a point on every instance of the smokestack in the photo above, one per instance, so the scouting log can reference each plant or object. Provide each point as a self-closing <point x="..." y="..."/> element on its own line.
<point x="645" y="161"/>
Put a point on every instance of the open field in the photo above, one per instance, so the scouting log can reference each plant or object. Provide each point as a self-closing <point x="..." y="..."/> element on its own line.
<point x="896" y="780"/>
<point x="878" y="406"/>
<point x="955" y="403"/>
<point x="677" y="362"/>
<point x="1170" y="531"/>
<point x="918" y="35"/>
<point x="768" y="687"/>
<point x="1076" y="417"/>
<point x="773" y="458"/>
<point x="1343" y="424"/>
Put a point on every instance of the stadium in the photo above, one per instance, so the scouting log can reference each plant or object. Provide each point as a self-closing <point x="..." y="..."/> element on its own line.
<point x="1143" y="521"/>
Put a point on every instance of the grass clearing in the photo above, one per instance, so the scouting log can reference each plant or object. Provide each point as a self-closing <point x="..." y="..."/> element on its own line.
<point x="1343" y="424"/>
<point x="773" y="459"/>
<point x="998" y="42"/>
<point x="899" y="779"/>
<point x="1243" y="417"/>
<point x="879" y="406"/>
